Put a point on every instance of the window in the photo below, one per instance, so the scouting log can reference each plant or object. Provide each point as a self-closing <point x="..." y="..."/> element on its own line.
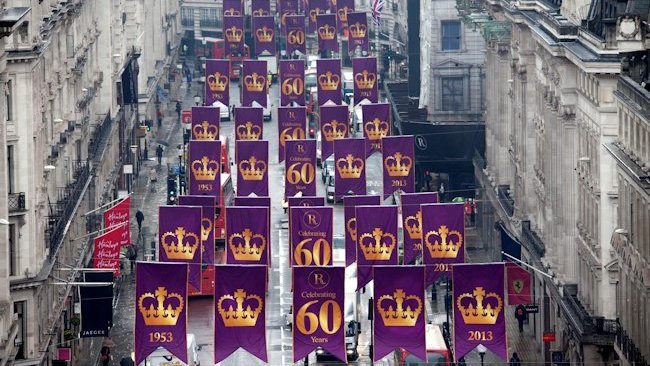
<point x="450" y="35"/>
<point x="452" y="93"/>
<point x="13" y="251"/>
<point x="10" y="169"/>
<point x="69" y="43"/>
<point x="20" y="309"/>
<point x="9" y="99"/>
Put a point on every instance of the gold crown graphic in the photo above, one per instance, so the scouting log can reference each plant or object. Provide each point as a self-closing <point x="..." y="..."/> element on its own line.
<point x="205" y="131"/>
<point x="255" y="82"/>
<point x="205" y="169"/>
<point x="398" y="165"/>
<point x="478" y="309"/>
<point x="232" y="12"/>
<point x="252" y="169"/>
<point x="249" y="131"/>
<point x="334" y="130"/>
<point x="413" y="225"/>
<point x="264" y="34"/>
<point x="398" y="316"/>
<point x="378" y="245"/>
<point x="247" y="246"/>
<point x="167" y="309"/>
<point x="238" y="316"/>
<point x="376" y="129"/>
<point x="365" y="79"/>
<point x="343" y="14"/>
<point x="260" y="13"/>
<point x="351" y="170"/>
<point x="351" y="225"/>
<point x="327" y="32"/>
<point x="329" y="82"/>
<point x="446" y="248"/>
<point x="185" y="245"/>
<point x="206" y="228"/>
<point x="313" y="13"/>
<point x="217" y="82"/>
<point x="358" y="30"/>
<point x="233" y="34"/>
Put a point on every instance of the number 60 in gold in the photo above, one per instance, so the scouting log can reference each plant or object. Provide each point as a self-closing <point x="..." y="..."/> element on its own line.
<point x="306" y="174"/>
<point x="320" y="246"/>
<point x="321" y="320"/>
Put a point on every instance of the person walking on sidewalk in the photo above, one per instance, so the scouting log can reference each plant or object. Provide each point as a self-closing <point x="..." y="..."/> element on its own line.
<point x="159" y="117"/>
<point x="179" y="108"/>
<point x="105" y="355"/>
<point x="515" y="360"/>
<point x="139" y="217"/>
<point x="159" y="152"/>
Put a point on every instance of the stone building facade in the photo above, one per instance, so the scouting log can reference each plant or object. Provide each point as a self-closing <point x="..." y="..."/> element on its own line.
<point x="74" y="73"/>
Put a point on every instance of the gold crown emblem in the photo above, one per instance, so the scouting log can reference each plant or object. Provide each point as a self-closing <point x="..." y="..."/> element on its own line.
<point x="343" y="14"/>
<point x="206" y="228"/>
<point x="351" y="170"/>
<point x="184" y="247"/>
<point x="329" y="82"/>
<point x="399" y="316"/>
<point x="327" y="32"/>
<point x="378" y="245"/>
<point x="249" y="131"/>
<point x="247" y="246"/>
<point x="365" y="79"/>
<point x="334" y="130"/>
<point x="232" y="12"/>
<point x="252" y="169"/>
<point x="255" y="82"/>
<point x="238" y="316"/>
<point x="376" y="129"/>
<point x="234" y="34"/>
<point x="358" y="30"/>
<point x="398" y="165"/>
<point x="217" y="82"/>
<point x="413" y="225"/>
<point x="264" y="34"/>
<point x="205" y="169"/>
<point x="205" y="131"/>
<point x="260" y="13"/>
<point x="313" y="13"/>
<point x="351" y="225"/>
<point x="167" y="309"/>
<point x="478" y="309"/>
<point x="446" y="248"/>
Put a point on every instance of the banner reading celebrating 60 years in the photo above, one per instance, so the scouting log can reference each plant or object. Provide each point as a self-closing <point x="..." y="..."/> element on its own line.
<point x="311" y="231"/>
<point x="160" y="309"/>
<point x="318" y="303"/>
<point x="300" y="168"/>
<point x="478" y="304"/>
<point x="291" y="126"/>
<point x="296" y="34"/>
<point x="240" y="307"/>
<point x="292" y="82"/>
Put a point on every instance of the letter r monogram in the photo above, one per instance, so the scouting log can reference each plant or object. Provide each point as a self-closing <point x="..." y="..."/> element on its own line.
<point x="318" y="279"/>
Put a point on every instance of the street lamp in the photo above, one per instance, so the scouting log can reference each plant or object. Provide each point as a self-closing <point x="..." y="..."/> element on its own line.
<point x="481" y="351"/>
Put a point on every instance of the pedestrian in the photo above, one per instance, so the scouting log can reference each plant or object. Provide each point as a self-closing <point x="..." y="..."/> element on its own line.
<point x="105" y="355"/>
<point x="126" y="361"/>
<point x="159" y="117"/>
<point x="467" y="208"/>
<point x="159" y="152"/>
<point x="520" y="314"/>
<point x="139" y="217"/>
<point x="515" y="360"/>
<point x="132" y="254"/>
<point x="179" y="108"/>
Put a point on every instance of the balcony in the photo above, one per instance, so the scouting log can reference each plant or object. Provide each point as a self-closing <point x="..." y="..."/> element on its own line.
<point x="631" y="352"/>
<point x="531" y="237"/>
<point x="16" y="202"/>
<point x="592" y="329"/>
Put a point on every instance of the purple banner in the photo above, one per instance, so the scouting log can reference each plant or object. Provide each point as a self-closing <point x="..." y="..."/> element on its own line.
<point x="319" y="312"/>
<point x="349" y="204"/>
<point x="161" y="309"/>
<point x="217" y="78"/>
<point x="315" y="8"/>
<point x="208" y="221"/>
<point x="292" y="123"/>
<point x="358" y="34"/>
<point x="311" y="235"/>
<point x="253" y="201"/>
<point x="376" y="239"/>
<point x="326" y="32"/>
<point x="287" y="8"/>
<point x="233" y="8"/>
<point x="329" y="81"/>
<point x="350" y="172"/>
<point x="376" y="125"/>
<point x="478" y="304"/>
<point x="205" y="177"/>
<point x="247" y="241"/>
<point x="292" y="82"/>
<point x="343" y="8"/>
<point x="365" y="79"/>
<point x="233" y="31"/>
<point x="249" y="123"/>
<point x="240" y="311"/>
<point x="252" y="167"/>
<point x="334" y="124"/>
<point x="332" y="5"/>
<point x="254" y="83"/>
<point x="412" y="223"/>
<point x="264" y="31"/>
<point x="443" y="238"/>
<point x="300" y="168"/>
<point x="261" y="8"/>
<point x="296" y="34"/>
<point x="400" y="313"/>
<point x="399" y="164"/>
<point x="205" y="123"/>
<point x="305" y="201"/>
<point x="179" y="238"/>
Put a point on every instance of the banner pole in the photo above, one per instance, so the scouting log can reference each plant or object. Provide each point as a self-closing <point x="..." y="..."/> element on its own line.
<point x="106" y="204"/>
<point x="527" y="265"/>
<point x="106" y="229"/>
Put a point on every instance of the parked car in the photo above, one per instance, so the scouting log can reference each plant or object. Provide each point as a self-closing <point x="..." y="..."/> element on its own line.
<point x="327" y="168"/>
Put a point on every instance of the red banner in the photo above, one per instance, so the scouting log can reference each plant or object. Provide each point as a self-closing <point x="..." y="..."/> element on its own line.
<point x="106" y="253"/>
<point x="119" y="214"/>
<point x="519" y="289"/>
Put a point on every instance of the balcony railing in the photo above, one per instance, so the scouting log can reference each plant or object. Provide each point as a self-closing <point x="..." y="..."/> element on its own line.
<point x="630" y="350"/>
<point x="16" y="202"/>
<point x="593" y="329"/>
<point x="532" y="238"/>
<point x="506" y="201"/>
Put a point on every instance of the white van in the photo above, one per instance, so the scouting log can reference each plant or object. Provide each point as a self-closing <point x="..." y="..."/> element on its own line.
<point x="162" y="357"/>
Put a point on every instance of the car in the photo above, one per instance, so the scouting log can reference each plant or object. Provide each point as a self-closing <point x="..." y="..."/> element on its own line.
<point x="327" y="168"/>
<point x="224" y="110"/>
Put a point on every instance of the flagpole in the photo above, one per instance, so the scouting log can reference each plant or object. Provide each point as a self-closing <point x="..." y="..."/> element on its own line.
<point x="104" y="230"/>
<point x="526" y="265"/>
<point x="106" y="204"/>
